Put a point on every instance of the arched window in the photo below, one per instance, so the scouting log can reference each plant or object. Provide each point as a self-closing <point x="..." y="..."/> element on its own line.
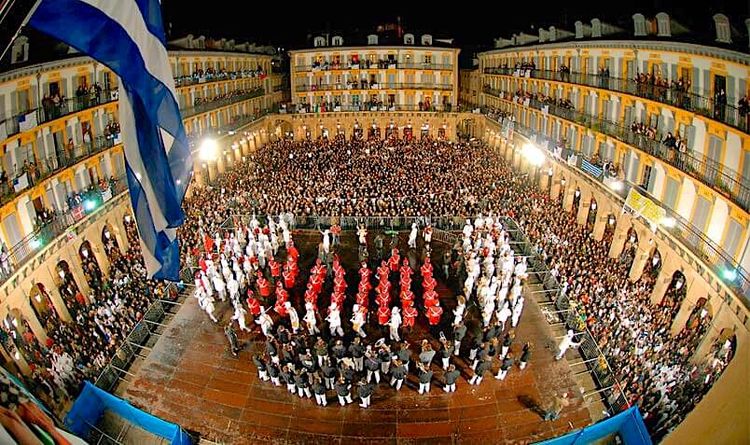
<point x="723" y="30"/>
<point x="427" y="40"/>
<point x="596" y="28"/>
<point x="319" y="41"/>
<point x="337" y="41"/>
<point x="408" y="39"/>
<point x="372" y="39"/>
<point x="663" y="27"/>
<point x="639" y="25"/>
<point x="579" y="29"/>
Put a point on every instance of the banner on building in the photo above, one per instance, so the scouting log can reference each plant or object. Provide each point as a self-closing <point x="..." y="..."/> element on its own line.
<point x="21" y="182"/>
<point x="642" y="206"/>
<point x="107" y="195"/>
<point x="78" y="213"/>
<point x="27" y="121"/>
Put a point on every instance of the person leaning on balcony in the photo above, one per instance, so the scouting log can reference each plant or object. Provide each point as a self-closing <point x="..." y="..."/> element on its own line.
<point x="69" y="149"/>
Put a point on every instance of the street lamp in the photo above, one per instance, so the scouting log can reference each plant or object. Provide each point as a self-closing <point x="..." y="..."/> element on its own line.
<point x="208" y="150"/>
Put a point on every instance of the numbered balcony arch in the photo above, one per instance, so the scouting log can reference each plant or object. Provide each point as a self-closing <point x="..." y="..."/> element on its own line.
<point x="41" y="303"/>
<point x="591" y="217"/>
<point x="609" y="229"/>
<point x="131" y="231"/>
<point x="699" y="319"/>
<point x="69" y="290"/>
<point x="675" y="294"/>
<point x="629" y="251"/>
<point x="17" y="336"/>
<point x="373" y="132"/>
<point x="653" y="264"/>
<point x="111" y="246"/>
<point x="576" y="201"/>
<point x="91" y="269"/>
<point x="391" y="132"/>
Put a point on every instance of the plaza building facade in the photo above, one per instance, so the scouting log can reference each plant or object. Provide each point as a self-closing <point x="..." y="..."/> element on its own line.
<point x="410" y="75"/>
<point x="62" y="180"/>
<point x="636" y="111"/>
<point x="230" y="95"/>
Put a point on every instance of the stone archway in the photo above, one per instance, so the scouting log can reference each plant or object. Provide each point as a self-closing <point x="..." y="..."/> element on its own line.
<point x="576" y="201"/>
<point x="391" y="132"/>
<point x="42" y="305"/>
<point x="629" y="251"/>
<point x="591" y="217"/>
<point x="609" y="229"/>
<point x="131" y="231"/>
<point x="653" y="264"/>
<point x="675" y="294"/>
<point x="281" y="128"/>
<point x="17" y="336"/>
<point x="91" y="269"/>
<point x="69" y="290"/>
<point x="111" y="246"/>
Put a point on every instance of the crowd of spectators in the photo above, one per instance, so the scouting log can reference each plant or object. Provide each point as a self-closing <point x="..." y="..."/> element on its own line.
<point x="429" y="178"/>
<point x="211" y="74"/>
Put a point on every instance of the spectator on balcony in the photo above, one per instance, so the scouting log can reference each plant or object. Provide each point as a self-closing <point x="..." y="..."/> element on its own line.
<point x="743" y="107"/>
<point x="720" y="102"/>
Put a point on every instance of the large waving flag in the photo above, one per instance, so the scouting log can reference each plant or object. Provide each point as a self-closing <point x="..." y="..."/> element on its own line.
<point x="128" y="37"/>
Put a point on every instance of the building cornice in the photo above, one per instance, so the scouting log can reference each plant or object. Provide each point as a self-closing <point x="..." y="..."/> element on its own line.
<point x="637" y="45"/>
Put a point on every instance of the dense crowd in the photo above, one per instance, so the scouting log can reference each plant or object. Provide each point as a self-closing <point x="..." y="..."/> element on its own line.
<point x="429" y="178"/>
<point x="79" y="349"/>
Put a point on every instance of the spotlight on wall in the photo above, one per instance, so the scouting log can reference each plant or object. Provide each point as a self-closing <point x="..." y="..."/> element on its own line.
<point x="89" y="205"/>
<point x="208" y="149"/>
<point x="668" y="221"/>
<point x="533" y="154"/>
<point x="729" y="274"/>
<point x="616" y="185"/>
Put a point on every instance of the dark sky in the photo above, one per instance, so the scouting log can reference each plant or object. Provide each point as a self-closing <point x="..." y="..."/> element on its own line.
<point x="286" y="24"/>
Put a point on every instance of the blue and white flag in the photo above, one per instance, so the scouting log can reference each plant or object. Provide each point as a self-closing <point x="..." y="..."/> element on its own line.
<point x="128" y="37"/>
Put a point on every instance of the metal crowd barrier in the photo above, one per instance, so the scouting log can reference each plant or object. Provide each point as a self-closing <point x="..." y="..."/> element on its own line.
<point x="567" y="312"/>
<point x="117" y="368"/>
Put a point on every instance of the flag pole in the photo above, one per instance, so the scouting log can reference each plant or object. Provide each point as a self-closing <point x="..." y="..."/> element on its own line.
<point x="21" y="26"/>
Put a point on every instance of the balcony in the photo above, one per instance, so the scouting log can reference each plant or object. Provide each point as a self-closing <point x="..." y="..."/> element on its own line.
<point x="218" y="103"/>
<point x="39" y="170"/>
<point x="693" y="239"/>
<point x="721" y="178"/>
<point x="85" y="204"/>
<point x="367" y="65"/>
<point x="713" y="108"/>
<point x="373" y="87"/>
<point x="366" y="106"/>
<point x="27" y="120"/>
<point x="203" y="78"/>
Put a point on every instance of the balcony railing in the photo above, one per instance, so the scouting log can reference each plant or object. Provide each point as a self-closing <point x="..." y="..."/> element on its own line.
<point x="713" y="255"/>
<point x="208" y="106"/>
<point x="185" y="81"/>
<point x="367" y="107"/>
<point x="27" y="120"/>
<point x="364" y="65"/>
<point x="373" y="87"/>
<point x="723" y="179"/>
<point x="690" y="101"/>
<point x="44" y="168"/>
<point x="91" y="202"/>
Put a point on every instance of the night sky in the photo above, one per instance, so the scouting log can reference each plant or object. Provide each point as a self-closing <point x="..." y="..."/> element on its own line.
<point x="285" y="24"/>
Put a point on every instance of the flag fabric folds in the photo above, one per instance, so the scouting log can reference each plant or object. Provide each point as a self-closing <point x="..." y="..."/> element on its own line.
<point x="128" y="37"/>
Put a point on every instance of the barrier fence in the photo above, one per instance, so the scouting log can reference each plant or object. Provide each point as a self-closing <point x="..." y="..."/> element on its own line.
<point x="568" y="313"/>
<point x="117" y="367"/>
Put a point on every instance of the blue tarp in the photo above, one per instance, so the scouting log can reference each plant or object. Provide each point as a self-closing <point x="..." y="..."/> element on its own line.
<point x="628" y="424"/>
<point x="91" y="404"/>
